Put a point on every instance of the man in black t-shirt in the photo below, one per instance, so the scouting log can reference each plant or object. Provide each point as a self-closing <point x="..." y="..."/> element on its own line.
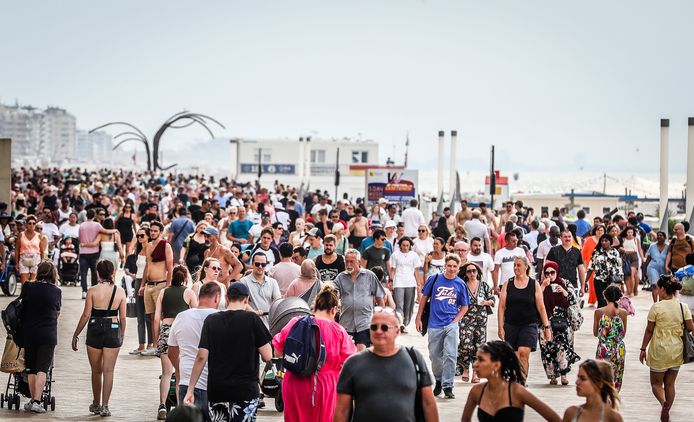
<point x="361" y="395"/>
<point x="329" y="264"/>
<point x="230" y="344"/>
<point x="377" y="255"/>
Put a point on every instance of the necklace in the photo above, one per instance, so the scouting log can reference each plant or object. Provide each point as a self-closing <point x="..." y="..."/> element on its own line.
<point x="214" y="250"/>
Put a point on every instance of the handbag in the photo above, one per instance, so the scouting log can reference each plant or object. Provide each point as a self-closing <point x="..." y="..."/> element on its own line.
<point x="559" y="323"/>
<point x="131" y="307"/>
<point x="28" y="261"/>
<point x="418" y="407"/>
<point x="575" y="317"/>
<point x="426" y="311"/>
<point x="687" y="341"/>
<point x="12" y="358"/>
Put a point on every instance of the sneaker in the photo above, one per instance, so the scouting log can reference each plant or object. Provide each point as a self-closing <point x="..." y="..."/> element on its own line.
<point x="448" y="393"/>
<point x="437" y="388"/>
<point x="37" y="408"/>
<point x="152" y="351"/>
<point x="84" y="295"/>
<point x="161" y="413"/>
<point x="104" y="411"/>
<point x="403" y="329"/>
<point x="27" y="405"/>
<point x="137" y="351"/>
<point x="94" y="408"/>
<point x="261" y="403"/>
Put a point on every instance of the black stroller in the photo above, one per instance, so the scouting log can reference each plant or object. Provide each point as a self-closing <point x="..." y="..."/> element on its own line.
<point x="69" y="269"/>
<point x="18" y="383"/>
<point x="281" y="312"/>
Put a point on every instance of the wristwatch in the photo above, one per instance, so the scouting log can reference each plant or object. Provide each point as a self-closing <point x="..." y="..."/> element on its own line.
<point x="547" y="327"/>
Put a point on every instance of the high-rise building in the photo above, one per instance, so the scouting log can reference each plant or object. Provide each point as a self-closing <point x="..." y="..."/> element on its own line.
<point x="94" y="147"/>
<point x="49" y="134"/>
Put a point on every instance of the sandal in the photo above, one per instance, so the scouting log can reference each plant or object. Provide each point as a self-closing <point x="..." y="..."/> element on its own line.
<point x="553" y="381"/>
<point x="475" y="380"/>
<point x="466" y="376"/>
<point x="564" y="381"/>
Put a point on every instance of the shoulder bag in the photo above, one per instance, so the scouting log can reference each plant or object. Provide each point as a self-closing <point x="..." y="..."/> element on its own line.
<point x="427" y="307"/>
<point x="687" y="341"/>
<point x="418" y="406"/>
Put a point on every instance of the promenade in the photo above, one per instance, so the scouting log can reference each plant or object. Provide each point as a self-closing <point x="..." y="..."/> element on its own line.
<point x="135" y="393"/>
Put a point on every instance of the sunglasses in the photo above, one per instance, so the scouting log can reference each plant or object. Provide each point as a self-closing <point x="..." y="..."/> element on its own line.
<point x="471" y="271"/>
<point x="550" y="272"/>
<point x="30" y="223"/>
<point x="462" y="250"/>
<point x="383" y="327"/>
<point x="216" y="268"/>
<point x="141" y="236"/>
<point x="421" y="231"/>
<point x="260" y="264"/>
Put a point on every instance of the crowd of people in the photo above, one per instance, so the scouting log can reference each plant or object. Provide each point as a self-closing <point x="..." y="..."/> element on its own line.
<point x="190" y="247"/>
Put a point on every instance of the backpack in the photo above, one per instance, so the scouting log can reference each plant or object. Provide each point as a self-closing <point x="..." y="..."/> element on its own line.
<point x="304" y="351"/>
<point x="11" y="319"/>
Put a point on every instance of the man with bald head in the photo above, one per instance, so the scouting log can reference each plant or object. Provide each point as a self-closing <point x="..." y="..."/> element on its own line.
<point x="680" y="246"/>
<point x="360" y="392"/>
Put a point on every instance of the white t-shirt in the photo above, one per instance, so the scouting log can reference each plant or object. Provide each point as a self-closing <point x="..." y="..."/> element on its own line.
<point x="422" y="247"/>
<point x="505" y="258"/>
<point x="185" y="333"/>
<point x="544" y="247"/>
<point x="411" y="219"/>
<point x="476" y="228"/>
<point x="485" y="261"/>
<point x="404" y="265"/>
<point x="51" y="231"/>
<point x="70" y="231"/>
<point x="255" y="231"/>
<point x="531" y="238"/>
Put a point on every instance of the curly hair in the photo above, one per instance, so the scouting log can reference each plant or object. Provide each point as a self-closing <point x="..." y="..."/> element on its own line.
<point x="501" y="352"/>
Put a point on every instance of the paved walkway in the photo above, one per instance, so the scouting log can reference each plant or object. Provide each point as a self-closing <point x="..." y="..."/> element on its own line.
<point x="135" y="393"/>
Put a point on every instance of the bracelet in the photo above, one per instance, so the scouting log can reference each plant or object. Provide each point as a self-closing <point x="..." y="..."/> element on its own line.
<point x="643" y="350"/>
<point x="75" y="338"/>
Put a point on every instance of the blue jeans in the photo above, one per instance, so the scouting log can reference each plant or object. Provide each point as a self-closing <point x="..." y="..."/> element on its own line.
<point x="199" y="398"/>
<point x="443" y="352"/>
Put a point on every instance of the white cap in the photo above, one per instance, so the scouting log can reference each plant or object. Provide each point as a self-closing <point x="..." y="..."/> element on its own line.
<point x="389" y="224"/>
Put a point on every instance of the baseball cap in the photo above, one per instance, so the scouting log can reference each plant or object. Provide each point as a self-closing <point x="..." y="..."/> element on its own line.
<point x="211" y="231"/>
<point x="265" y="214"/>
<point x="389" y="224"/>
<point x="314" y="232"/>
<point x="238" y="289"/>
<point x="382" y="201"/>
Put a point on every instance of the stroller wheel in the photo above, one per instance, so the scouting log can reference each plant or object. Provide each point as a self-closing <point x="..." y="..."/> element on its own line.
<point x="52" y="404"/>
<point x="2" y="400"/>
<point x="16" y="402"/>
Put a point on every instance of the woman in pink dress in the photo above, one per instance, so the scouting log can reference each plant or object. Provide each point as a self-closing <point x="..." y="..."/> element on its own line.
<point x="298" y="392"/>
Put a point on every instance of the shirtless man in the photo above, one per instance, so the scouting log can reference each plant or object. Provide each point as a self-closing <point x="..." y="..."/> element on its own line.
<point x="158" y="268"/>
<point x="358" y="228"/>
<point x="231" y="267"/>
<point x="464" y="214"/>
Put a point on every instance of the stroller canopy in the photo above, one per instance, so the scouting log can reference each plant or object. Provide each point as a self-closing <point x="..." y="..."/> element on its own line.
<point x="283" y="310"/>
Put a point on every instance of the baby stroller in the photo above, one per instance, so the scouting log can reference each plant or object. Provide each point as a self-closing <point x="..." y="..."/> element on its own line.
<point x="18" y="383"/>
<point x="9" y="277"/>
<point x="281" y="312"/>
<point x="68" y="267"/>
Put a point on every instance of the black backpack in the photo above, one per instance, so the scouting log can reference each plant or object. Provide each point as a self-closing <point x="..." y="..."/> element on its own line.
<point x="12" y="320"/>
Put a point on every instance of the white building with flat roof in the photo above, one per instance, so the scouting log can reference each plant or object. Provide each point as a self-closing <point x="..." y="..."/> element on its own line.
<point x="311" y="161"/>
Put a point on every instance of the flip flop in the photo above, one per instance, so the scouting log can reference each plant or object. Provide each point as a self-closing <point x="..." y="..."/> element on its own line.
<point x="553" y="381"/>
<point x="466" y="378"/>
<point x="475" y="380"/>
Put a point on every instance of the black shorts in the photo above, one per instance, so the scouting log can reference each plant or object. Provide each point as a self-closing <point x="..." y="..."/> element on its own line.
<point x="103" y="333"/>
<point x="38" y="357"/>
<point x="361" y="337"/>
<point x="521" y="335"/>
<point x="356" y="241"/>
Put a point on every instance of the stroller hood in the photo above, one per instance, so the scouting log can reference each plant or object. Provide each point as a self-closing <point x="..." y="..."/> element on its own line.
<point x="283" y="310"/>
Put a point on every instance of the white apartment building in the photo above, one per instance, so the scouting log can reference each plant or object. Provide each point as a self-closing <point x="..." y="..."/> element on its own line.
<point x="23" y="126"/>
<point x="94" y="147"/>
<point x="58" y="135"/>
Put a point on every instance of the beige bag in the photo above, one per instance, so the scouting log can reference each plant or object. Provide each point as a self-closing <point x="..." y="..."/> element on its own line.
<point x="28" y="261"/>
<point x="12" y="358"/>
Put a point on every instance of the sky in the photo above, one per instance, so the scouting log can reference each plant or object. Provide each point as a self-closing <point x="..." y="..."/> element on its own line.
<point x="555" y="86"/>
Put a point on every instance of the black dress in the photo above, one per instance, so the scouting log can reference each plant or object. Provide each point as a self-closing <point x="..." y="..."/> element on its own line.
<point x="195" y="253"/>
<point x="124" y="225"/>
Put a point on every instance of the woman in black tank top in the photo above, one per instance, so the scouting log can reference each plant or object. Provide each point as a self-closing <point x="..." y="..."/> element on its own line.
<point x="104" y="308"/>
<point x="170" y="302"/>
<point x="521" y="306"/>
<point x="502" y="398"/>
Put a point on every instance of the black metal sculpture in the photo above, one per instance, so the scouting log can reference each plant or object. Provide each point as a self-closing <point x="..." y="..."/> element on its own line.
<point x="184" y="120"/>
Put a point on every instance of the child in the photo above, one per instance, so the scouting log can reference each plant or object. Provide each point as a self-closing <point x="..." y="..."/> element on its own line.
<point x="67" y="251"/>
<point x="381" y="276"/>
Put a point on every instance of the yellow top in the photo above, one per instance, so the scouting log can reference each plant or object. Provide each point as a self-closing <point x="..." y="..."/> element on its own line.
<point x="666" y="347"/>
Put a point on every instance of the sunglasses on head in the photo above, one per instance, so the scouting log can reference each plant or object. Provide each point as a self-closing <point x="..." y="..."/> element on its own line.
<point x="260" y="264"/>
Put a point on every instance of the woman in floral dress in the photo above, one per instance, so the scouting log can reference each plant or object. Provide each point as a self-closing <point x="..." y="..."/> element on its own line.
<point x="473" y="326"/>
<point x="557" y="354"/>
<point x="606" y="264"/>
<point x="610" y="327"/>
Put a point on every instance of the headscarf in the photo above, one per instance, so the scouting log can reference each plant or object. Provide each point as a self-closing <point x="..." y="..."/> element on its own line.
<point x="551" y="298"/>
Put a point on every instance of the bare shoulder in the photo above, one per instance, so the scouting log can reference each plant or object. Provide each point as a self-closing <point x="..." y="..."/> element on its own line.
<point x="612" y="416"/>
<point x="569" y="413"/>
<point x="475" y="391"/>
<point x="623" y="313"/>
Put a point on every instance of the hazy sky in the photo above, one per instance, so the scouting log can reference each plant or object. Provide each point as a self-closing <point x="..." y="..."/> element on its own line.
<point x="551" y="83"/>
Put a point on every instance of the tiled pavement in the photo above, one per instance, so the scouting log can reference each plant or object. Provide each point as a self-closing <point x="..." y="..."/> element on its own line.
<point x="135" y="391"/>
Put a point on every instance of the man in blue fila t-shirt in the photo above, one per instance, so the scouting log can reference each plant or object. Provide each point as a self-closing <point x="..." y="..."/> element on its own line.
<point x="449" y="303"/>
